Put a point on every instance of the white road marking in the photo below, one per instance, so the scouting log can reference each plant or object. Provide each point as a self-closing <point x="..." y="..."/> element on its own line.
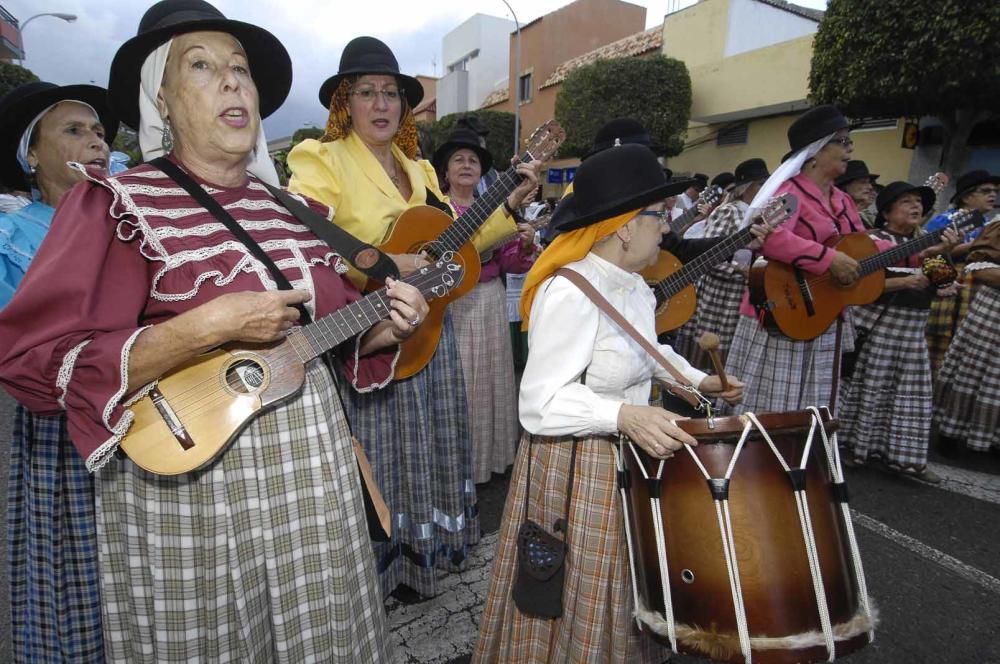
<point x="968" y="572"/>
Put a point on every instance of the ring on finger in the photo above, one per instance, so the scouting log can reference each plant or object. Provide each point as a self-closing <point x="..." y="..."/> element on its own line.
<point x="414" y="322"/>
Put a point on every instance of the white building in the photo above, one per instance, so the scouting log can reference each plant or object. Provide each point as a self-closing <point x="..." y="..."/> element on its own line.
<point x="476" y="61"/>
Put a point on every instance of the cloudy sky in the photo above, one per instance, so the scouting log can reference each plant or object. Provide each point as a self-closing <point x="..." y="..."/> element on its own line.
<point x="313" y="31"/>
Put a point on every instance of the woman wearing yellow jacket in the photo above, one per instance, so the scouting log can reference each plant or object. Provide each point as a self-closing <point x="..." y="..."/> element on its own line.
<point x="415" y="431"/>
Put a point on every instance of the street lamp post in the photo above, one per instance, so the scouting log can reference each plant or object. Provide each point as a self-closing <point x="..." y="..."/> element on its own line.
<point x="517" y="82"/>
<point x="69" y="18"/>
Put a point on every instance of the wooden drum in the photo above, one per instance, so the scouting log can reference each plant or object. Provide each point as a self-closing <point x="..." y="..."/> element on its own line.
<point x="760" y="563"/>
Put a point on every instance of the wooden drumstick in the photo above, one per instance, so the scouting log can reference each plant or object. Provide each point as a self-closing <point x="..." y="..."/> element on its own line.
<point x="709" y="342"/>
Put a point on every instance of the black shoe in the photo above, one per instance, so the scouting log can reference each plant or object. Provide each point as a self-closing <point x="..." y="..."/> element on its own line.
<point x="948" y="447"/>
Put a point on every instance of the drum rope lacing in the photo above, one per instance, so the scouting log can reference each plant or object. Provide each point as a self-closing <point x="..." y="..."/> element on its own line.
<point x="833" y="460"/>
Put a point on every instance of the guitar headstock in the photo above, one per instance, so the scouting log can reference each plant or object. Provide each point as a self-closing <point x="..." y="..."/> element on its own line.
<point x="438" y="278"/>
<point x="964" y="221"/>
<point x="544" y="142"/>
<point x="937" y="182"/>
<point x="710" y="195"/>
<point x="778" y="209"/>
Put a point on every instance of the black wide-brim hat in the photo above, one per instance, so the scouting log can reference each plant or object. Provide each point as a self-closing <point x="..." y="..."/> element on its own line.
<point x="724" y="180"/>
<point x="814" y="124"/>
<point x="893" y="191"/>
<point x="613" y="182"/>
<point x="856" y="170"/>
<point x="621" y="131"/>
<point x="751" y="170"/>
<point x="270" y="65"/>
<point x="22" y="104"/>
<point x="367" y="55"/>
<point x="462" y="139"/>
<point x="971" y="180"/>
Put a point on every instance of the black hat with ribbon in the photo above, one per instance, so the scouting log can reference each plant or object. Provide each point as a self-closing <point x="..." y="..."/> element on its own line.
<point x="856" y="170"/>
<point x="893" y="191"/>
<point x="462" y="138"/>
<point x="751" y="170"/>
<point x="367" y="55"/>
<point x="971" y="180"/>
<point x="20" y="106"/>
<point x="620" y="131"/>
<point x="270" y="66"/>
<point x="814" y="124"/>
<point x="613" y="182"/>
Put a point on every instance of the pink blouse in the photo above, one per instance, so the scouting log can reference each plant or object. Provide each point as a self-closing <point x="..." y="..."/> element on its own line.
<point x="131" y="251"/>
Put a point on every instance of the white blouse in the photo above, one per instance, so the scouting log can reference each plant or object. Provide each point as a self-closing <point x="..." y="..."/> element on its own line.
<point x="568" y="334"/>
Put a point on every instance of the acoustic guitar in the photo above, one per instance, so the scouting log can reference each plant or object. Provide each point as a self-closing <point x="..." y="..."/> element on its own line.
<point x="803" y="305"/>
<point x="196" y="409"/>
<point x="710" y="195"/>
<point x="673" y="283"/>
<point x="428" y="230"/>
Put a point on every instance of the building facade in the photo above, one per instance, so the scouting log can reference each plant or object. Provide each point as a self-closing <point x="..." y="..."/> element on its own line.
<point x="475" y="57"/>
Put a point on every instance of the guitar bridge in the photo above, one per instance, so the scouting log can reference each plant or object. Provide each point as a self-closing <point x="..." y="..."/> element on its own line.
<point x="806" y="292"/>
<point x="165" y="410"/>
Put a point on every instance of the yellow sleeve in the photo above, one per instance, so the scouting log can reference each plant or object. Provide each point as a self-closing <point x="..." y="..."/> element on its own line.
<point x="498" y="226"/>
<point x="313" y="173"/>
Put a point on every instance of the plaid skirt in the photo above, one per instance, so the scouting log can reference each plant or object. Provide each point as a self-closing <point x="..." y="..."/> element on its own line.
<point x="947" y="313"/>
<point x="718" y="310"/>
<point x="263" y="556"/>
<point x="783" y="374"/>
<point x="51" y="546"/>
<point x="597" y="624"/>
<point x="416" y="435"/>
<point x="967" y="394"/>
<point x="885" y="408"/>
<point x="483" y="336"/>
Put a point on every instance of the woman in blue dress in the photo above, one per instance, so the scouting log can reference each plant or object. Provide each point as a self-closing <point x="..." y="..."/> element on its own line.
<point x="51" y="537"/>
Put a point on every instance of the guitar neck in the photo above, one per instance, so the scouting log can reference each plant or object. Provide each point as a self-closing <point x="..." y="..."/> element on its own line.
<point x="467" y="223"/>
<point x="681" y="223"/>
<point x="892" y="256"/>
<point x="701" y="264"/>
<point x="333" y="329"/>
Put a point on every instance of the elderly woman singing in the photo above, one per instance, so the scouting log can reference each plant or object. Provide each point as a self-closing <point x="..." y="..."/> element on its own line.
<point x="261" y="556"/>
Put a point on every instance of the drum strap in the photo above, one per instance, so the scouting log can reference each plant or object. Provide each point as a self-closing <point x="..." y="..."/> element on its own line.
<point x="683" y="389"/>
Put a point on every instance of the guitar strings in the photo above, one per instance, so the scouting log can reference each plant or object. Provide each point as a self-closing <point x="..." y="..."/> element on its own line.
<point x="182" y="401"/>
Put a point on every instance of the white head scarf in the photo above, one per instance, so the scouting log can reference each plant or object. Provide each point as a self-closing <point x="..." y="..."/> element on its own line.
<point x="25" y="143"/>
<point x="151" y="124"/>
<point x="789" y="169"/>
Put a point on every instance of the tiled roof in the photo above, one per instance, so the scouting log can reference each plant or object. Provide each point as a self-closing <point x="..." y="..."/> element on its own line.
<point x="496" y="97"/>
<point x="637" y="44"/>
<point x="798" y="10"/>
<point x="425" y="104"/>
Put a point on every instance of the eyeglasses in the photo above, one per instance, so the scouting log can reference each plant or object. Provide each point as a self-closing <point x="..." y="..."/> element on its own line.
<point x="843" y="141"/>
<point x="367" y="95"/>
<point x="662" y="215"/>
<point x="986" y="190"/>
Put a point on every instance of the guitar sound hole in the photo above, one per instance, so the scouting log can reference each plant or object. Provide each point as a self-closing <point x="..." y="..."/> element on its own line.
<point x="245" y="376"/>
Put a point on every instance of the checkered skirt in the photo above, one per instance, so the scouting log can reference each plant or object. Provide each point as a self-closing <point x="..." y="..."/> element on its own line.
<point x="483" y="336"/>
<point x="416" y="435"/>
<point x="967" y="394"/>
<point x="720" y="293"/>
<point x="51" y="546"/>
<point x="885" y="407"/>
<point x="597" y="623"/>
<point x="783" y="374"/>
<point x="947" y="313"/>
<point x="264" y="556"/>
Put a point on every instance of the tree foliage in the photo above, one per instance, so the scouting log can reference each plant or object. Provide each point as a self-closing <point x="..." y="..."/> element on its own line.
<point x="303" y="133"/>
<point x="12" y="76"/>
<point x="500" y="140"/>
<point x="656" y="91"/>
<point x="910" y="58"/>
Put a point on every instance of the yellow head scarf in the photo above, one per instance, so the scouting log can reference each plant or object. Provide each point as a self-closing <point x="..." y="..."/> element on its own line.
<point x="565" y="249"/>
<point x="338" y="124"/>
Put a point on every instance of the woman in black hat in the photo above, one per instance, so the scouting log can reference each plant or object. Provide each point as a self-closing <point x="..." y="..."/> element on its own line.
<point x="859" y="184"/>
<point x="885" y="401"/>
<point x="262" y="555"/>
<point x="975" y="190"/>
<point x="416" y="431"/>
<point x="784" y="374"/>
<point x="480" y="317"/>
<point x="52" y="537"/>
<point x="586" y="382"/>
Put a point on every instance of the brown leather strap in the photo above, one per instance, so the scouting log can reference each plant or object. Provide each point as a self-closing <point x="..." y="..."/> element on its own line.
<point x="588" y="289"/>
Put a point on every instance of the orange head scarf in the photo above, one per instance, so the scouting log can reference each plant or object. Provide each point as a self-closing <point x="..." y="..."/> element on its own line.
<point x="567" y="248"/>
<point x="338" y="123"/>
